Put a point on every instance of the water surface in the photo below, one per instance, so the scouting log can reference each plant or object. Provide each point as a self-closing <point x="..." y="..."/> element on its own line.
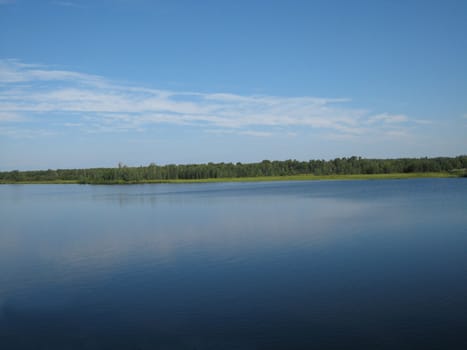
<point x="284" y="265"/>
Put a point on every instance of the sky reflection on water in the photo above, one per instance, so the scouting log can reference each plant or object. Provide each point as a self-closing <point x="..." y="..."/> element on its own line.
<point x="254" y="265"/>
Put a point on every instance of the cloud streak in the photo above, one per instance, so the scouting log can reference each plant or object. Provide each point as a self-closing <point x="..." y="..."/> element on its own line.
<point x="66" y="4"/>
<point x="92" y="103"/>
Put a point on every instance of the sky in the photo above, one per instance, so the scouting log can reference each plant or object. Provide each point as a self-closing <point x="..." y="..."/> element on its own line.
<point x="91" y="83"/>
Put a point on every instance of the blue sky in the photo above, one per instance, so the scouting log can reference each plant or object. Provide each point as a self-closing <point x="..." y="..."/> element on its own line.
<point x="94" y="83"/>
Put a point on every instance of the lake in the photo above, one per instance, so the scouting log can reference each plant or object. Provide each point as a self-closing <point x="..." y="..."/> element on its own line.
<point x="378" y="264"/>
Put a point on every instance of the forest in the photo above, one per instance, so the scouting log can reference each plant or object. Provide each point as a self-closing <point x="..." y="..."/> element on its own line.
<point x="153" y="172"/>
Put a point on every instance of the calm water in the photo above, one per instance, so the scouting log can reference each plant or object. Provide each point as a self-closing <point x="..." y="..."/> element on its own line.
<point x="289" y="265"/>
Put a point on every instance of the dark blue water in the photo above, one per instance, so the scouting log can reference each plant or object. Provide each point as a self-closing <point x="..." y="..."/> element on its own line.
<point x="287" y="265"/>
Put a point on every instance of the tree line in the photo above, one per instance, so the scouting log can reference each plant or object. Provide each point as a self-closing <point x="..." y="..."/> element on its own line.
<point x="153" y="172"/>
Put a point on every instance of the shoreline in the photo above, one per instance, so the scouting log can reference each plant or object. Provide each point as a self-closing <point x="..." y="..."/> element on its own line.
<point x="304" y="177"/>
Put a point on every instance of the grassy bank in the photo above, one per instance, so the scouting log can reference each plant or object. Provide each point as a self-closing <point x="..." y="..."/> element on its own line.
<point x="305" y="177"/>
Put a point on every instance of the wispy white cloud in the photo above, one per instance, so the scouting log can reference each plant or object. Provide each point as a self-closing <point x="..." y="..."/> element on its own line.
<point x="66" y="4"/>
<point x="256" y="133"/>
<point x="388" y="118"/>
<point x="15" y="71"/>
<point x="423" y="121"/>
<point x="10" y="117"/>
<point x="95" y="104"/>
<point x="22" y="133"/>
<point x="397" y="133"/>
